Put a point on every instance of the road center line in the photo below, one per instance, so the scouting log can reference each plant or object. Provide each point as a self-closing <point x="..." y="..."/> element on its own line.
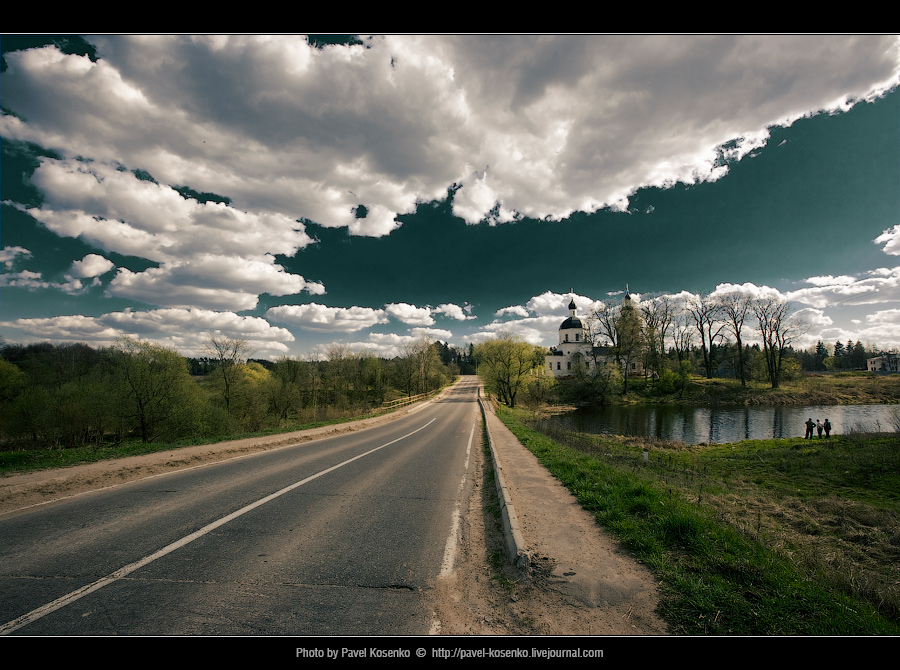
<point x="68" y="599"/>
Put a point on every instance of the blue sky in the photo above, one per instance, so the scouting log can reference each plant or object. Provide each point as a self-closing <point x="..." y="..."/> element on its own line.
<point x="293" y="194"/>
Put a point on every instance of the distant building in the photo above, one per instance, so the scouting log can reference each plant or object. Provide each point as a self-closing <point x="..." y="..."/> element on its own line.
<point x="888" y="361"/>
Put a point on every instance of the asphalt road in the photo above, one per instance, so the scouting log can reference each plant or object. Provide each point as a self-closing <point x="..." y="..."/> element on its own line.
<point x="339" y="536"/>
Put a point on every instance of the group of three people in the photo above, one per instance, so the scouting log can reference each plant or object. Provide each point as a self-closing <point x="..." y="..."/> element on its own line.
<point x="818" y="426"/>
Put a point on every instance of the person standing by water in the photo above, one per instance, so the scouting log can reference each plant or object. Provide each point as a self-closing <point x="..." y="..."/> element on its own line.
<point x="819" y="428"/>
<point x="827" y="427"/>
<point x="809" y="428"/>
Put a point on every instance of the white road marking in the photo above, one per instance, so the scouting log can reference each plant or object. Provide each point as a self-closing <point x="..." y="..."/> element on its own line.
<point x="452" y="544"/>
<point x="453" y="539"/>
<point x="59" y="603"/>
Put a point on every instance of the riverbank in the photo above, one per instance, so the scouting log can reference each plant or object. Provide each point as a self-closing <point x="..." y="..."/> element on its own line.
<point x="844" y="388"/>
<point x="761" y="537"/>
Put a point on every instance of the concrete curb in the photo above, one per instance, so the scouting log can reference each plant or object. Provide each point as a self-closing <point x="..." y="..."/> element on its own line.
<point x="515" y="542"/>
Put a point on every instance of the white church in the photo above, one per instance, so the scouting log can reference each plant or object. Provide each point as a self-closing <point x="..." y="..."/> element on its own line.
<point x="573" y="346"/>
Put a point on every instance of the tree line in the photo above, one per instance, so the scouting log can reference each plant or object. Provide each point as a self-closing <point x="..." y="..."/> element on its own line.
<point x="67" y="395"/>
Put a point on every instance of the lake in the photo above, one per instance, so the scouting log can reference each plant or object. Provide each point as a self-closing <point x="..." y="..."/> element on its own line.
<point x="693" y="425"/>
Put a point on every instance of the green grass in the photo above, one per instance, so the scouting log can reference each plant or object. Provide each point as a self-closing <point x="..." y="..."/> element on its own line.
<point x="28" y="460"/>
<point x="712" y="525"/>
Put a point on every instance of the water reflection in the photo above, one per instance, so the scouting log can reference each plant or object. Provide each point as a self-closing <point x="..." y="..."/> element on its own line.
<point x="694" y="425"/>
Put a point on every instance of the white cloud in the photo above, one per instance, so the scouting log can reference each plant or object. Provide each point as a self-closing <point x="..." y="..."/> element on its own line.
<point x="24" y="279"/>
<point x="890" y="238"/>
<point x="410" y="314"/>
<point x="70" y="327"/>
<point x="455" y="312"/>
<point x="828" y="280"/>
<point x="515" y="310"/>
<point x="210" y="254"/>
<point x="185" y="330"/>
<point x="441" y="334"/>
<point x="8" y="255"/>
<point x="536" y="330"/>
<point x="811" y="323"/>
<point x="92" y="265"/>
<point x="876" y="286"/>
<point x="527" y="125"/>
<point x="314" y="316"/>
<point x="884" y="317"/>
<point x="882" y="329"/>
<point x="214" y="282"/>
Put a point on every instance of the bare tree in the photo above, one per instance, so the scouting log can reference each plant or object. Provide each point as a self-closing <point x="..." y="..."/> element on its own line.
<point x="777" y="330"/>
<point x="601" y="326"/>
<point x="658" y="314"/>
<point x="621" y="325"/>
<point x="682" y="334"/>
<point x="736" y="306"/>
<point x="706" y="315"/>
<point x="595" y="375"/>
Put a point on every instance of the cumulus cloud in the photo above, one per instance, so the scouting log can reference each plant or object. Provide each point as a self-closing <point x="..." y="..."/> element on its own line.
<point x="314" y="316"/>
<point x="209" y="254"/>
<point x="215" y="282"/>
<point x="876" y="286"/>
<point x="812" y="319"/>
<point x="9" y="255"/>
<point x="456" y="312"/>
<point x="410" y="314"/>
<point x="424" y="316"/>
<point x="525" y="125"/>
<point x="515" y="310"/>
<point x="513" y="125"/>
<point x="24" y="279"/>
<point x="880" y="329"/>
<point x="185" y="330"/>
<point x="92" y="265"/>
<point x="441" y="334"/>
<point x="828" y="280"/>
<point x="891" y="240"/>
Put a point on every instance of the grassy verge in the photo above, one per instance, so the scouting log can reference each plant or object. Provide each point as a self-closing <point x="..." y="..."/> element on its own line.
<point x="756" y="538"/>
<point x="28" y="460"/>
<point x="17" y="459"/>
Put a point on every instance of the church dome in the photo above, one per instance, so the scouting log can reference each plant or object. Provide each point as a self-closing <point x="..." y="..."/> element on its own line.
<point x="571" y="322"/>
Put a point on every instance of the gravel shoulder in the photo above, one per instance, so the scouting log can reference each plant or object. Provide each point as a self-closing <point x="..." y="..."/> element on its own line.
<point x="580" y="581"/>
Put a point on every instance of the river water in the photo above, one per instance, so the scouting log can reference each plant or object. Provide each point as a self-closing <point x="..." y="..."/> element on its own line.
<point x="693" y="425"/>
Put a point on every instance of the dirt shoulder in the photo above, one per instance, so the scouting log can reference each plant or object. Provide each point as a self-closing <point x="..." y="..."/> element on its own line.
<point x="44" y="487"/>
<point x="580" y="581"/>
